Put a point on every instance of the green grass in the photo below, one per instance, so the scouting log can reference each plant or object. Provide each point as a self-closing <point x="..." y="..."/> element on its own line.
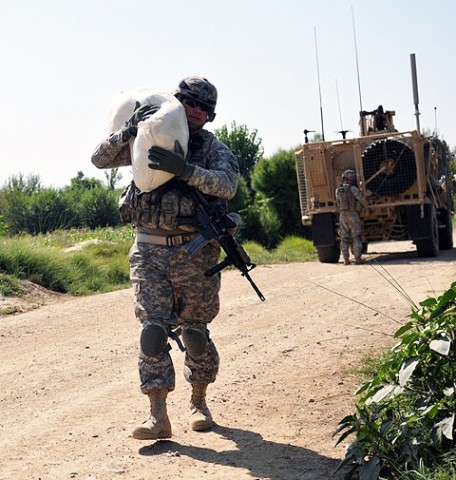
<point x="42" y="259"/>
<point x="369" y="365"/>
<point x="10" y="286"/>
<point x="294" y="249"/>
<point x="101" y="266"/>
<point x="442" y="472"/>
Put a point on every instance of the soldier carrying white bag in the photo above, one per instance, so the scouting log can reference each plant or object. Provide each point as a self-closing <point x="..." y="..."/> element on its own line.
<point x="171" y="290"/>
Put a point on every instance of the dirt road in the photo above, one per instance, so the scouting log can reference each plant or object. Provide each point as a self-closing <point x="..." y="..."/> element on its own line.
<point x="70" y="393"/>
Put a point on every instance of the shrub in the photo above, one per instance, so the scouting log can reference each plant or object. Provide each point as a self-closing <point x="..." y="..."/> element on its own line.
<point x="295" y="249"/>
<point x="405" y="414"/>
<point x="98" y="208"/>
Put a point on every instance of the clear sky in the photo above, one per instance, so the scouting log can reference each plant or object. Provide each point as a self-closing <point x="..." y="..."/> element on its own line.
<point x="63" y="61"/>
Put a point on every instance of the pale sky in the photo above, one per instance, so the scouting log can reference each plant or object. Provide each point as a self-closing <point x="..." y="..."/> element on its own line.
<point x="64" y="61"/>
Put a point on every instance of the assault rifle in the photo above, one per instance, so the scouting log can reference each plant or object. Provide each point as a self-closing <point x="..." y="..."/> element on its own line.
<point x="215" y="224"/>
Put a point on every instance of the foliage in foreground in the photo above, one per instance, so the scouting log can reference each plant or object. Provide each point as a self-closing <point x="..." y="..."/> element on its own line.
<point x="445" y="471"/>
<point x="404" y="418"/>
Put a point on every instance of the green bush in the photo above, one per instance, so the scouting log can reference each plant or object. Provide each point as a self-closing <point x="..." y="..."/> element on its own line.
<point x="258" y="254"/>
<point x="275" y="183"/>
<point x="295" y="249"/>
<point x="405" y="415"/>
<point x="47" y="210"/>
<point x="98" y="208"/>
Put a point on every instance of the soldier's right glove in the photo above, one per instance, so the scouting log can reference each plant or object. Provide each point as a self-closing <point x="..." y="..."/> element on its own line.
<point x="170" y="161"/>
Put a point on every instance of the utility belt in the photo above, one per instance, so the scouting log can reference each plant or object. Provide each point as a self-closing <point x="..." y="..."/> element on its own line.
<point x="165" y="240"/>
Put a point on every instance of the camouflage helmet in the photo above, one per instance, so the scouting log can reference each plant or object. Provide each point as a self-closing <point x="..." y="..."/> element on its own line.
<point x="349" y="175"/>
<point x="199" y="89"/>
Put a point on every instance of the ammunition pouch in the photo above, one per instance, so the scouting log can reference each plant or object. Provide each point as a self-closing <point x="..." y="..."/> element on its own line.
<point x="165" y="208"/>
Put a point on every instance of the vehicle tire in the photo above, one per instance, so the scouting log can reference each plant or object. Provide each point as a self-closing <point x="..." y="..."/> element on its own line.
<point x="397" y="162"/>
<point x="430" y="246"/>
<point x="328" y="254"/>
<point x="446" y="232"/>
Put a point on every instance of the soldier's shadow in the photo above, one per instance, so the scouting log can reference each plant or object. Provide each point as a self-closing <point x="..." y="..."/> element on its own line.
<point x="263" y="458"/>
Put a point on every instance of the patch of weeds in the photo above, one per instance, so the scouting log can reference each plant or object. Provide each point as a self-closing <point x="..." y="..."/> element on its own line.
<point x="369" y="365"/>
<point x="10" y="286"/>
<point x="8" y="310"/>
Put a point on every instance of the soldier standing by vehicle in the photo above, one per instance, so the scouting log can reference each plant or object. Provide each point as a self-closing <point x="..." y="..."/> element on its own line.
<point x="349" y="202"/>
<point x="170" y="287"/>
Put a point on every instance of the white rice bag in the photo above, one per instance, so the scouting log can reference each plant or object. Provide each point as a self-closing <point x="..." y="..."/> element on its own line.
<point x="163" y="128"/>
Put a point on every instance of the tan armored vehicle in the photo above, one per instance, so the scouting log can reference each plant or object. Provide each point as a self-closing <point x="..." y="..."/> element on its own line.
<point x="405" y="177"/>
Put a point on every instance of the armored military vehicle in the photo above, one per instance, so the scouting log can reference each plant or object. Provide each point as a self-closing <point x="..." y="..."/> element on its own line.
<point x="405" y="177"/>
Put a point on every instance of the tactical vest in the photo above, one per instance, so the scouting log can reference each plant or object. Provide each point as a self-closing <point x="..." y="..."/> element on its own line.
<point x="167" y="207"/>
<point x="346" y="199"/>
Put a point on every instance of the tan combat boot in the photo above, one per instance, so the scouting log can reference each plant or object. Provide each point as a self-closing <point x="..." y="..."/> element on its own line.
<point x="201" y="418"/>
<point x="158" y="425"/>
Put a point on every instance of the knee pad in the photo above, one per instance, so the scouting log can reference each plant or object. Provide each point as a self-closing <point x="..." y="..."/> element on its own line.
<point x="195" y="341"/>
<point x="153" y="340"/>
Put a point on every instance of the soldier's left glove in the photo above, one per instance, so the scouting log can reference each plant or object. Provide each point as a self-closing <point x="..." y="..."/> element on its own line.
<point x="171" y="162"/>
<point x="130" y="129"/>
<point x="141" y="113"/>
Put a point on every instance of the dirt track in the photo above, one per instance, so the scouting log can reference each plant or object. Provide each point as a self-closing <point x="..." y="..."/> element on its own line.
<point x="70" y="393"/>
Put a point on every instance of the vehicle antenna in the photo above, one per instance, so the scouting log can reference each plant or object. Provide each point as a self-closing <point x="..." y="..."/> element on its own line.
<point x="416" y="100"/>
<point x="341" y="131"/>
<point x="338" y="103"/>
<point x="319" y="87"/>
<point x="357" y="72"/>
<point x="436" y="131"/>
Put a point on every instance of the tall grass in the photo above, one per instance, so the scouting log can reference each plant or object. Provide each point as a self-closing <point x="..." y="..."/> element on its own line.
<point x="99" y="267"/>
<point x="45" y="266"/>
<point x="102" y="266"/>
<point x="10" y="286"/>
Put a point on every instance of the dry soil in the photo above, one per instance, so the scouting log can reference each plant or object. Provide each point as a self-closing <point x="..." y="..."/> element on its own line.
<point x="70" y="391"/>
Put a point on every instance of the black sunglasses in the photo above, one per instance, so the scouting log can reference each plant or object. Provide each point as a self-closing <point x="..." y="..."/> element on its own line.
<point x="194" y="103"/>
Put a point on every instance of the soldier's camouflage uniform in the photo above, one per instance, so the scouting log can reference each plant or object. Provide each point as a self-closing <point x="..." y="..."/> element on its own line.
<point x="169" y="283"/>
<point x="349" y="201"/>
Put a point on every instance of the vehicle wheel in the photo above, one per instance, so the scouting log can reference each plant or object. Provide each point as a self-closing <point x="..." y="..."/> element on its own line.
<point x="446" y="232"/>
<point x="328" y="254"/>
<point x="430" y="246"/>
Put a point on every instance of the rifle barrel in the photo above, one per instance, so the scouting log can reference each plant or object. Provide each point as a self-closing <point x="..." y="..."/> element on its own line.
<point x="257" y="290"/>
